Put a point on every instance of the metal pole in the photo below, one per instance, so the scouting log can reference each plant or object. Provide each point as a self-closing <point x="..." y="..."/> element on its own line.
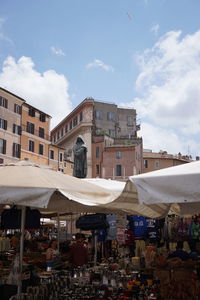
<point x="95" y="248"/>
<point x="21" y="254"/>
<point x="58" y="233"/>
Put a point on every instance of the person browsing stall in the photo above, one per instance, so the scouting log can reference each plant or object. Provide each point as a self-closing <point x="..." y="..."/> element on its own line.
<point x="79" y="251"/>
<point x="52" y="253"/>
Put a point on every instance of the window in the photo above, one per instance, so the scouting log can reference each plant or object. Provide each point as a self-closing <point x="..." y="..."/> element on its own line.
<point x="97" y="169"/>
<point x="30" y="127"/>
<point x="42" y="117"/>
<point x="31" y="112"/>
<point x="17" y="109"/>
<point x="81" y="116"/>
<point x="1" y="160"/>
<point x="31" y="146"/>
<point x="16" y="150"/>
<point x="41" y="132"/>
<point x="3" y="124"/>
<point x="145" y="163"/>
<point x="70" y="125"/>
<point x="98" y="131"/>
<point x="54" y="138"/>
<point x="157" y="164"/>
<point x="58" y="135"/>
<point x="98" y="114"/>
<point x="51" y="154"/>
<point x="110" y="116"/>
<point x="118" y="154"/>
<point x="62" y="132"/>
<point x="66" y="128"/>
<point x="112" y="132"/>
<point x="75" y="121"/>
<point x="118" y="170"/>
<point x="2" y="146"/>
<point x="41" y="149"/>
<point x="3" y="102"/>
<point x="16" y="129"/>
<point x="130" y="120"/>
<point x="60" y="156"/>
<point x="61" y="170"/>
<point x="97" y="152"/>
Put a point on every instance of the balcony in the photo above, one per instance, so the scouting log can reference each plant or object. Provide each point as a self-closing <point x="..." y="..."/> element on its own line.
<point x="36" y="133"/>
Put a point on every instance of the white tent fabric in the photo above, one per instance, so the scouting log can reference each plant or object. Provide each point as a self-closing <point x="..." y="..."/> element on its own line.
<point x="178" y="185"/>
<point x="28" y="184"/>
<point x="127" y="201"/>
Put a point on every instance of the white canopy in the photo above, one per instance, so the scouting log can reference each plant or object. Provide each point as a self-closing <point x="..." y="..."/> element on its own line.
<point x="29" y="184"/>
<point x="178" y="185"/>
<point x="128" y="201"/>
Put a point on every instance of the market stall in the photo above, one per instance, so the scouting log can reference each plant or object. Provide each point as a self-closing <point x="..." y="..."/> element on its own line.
<point x="126" y="268"/>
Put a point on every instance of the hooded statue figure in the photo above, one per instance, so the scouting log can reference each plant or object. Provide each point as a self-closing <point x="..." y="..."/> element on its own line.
<point x="80" y="158"/>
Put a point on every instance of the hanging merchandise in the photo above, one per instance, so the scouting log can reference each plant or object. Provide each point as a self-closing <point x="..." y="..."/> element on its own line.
<point x="112" y="229"/>
<point x="195" y="229"/>
<point x="92" y="222"/>
<point x="139" y="226"/>
<point x="101" y="235"/>
<point x="121" y="236"/>
<point x="11" y="218"/>
<point x="153" y="232"/>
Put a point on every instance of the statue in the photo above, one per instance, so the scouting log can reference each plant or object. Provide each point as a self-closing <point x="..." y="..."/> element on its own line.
<point x="80" y="158"/>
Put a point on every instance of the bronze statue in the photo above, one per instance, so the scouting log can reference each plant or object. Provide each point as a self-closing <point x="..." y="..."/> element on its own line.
<point x="80" y="158"/>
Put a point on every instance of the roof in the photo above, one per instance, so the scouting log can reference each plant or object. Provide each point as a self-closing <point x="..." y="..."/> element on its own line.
<point x="12" y="94"/>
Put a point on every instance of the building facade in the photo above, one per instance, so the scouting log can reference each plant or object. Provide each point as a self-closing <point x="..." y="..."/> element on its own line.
<point x="107" y="130"/>
<point x="154" y="161"/>
<point x="35" y="137"/>
<point x="10" y="126"/>
<point x="25" y="134"/>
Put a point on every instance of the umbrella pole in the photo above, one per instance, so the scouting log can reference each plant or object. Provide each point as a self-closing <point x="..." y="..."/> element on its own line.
<point x="58" y="233"/>
<point x="95" y="248"/>
<point x="21" y="254"/>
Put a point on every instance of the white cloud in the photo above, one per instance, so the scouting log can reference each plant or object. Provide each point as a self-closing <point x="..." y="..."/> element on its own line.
<point x="3" y="37"/>
<point x="99" y="64"/>
<point x="46" y="91"/>
<point x="57" y="51"/>
<point x="155" y="29"/>
<point x="169" y="85"/>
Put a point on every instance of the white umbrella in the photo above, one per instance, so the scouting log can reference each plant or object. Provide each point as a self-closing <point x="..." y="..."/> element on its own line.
<point x="29" y="184"/>
<point x="177" y="186"/>
<point x="128" y="201"/>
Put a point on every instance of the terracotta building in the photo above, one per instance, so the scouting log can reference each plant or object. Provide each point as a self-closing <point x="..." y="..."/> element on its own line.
<point x="35" y="138"/>
<point x="110" y="134"/>
<point x="155" y="161"/>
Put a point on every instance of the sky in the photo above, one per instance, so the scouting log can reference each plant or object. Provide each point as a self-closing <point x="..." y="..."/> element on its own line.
<point x="141" y="54"/>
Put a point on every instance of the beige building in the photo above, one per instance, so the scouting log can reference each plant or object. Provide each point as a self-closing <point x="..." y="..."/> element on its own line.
<point x="106" y="130"/>
<point x="10" y="126"/>
<point x="155" y="161"/>
<point x="58" y="161"/>
<point x="25" y="134"/>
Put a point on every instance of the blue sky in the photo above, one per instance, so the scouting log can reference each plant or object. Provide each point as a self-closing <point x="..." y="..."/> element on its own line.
<point x="142" y="54"/>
